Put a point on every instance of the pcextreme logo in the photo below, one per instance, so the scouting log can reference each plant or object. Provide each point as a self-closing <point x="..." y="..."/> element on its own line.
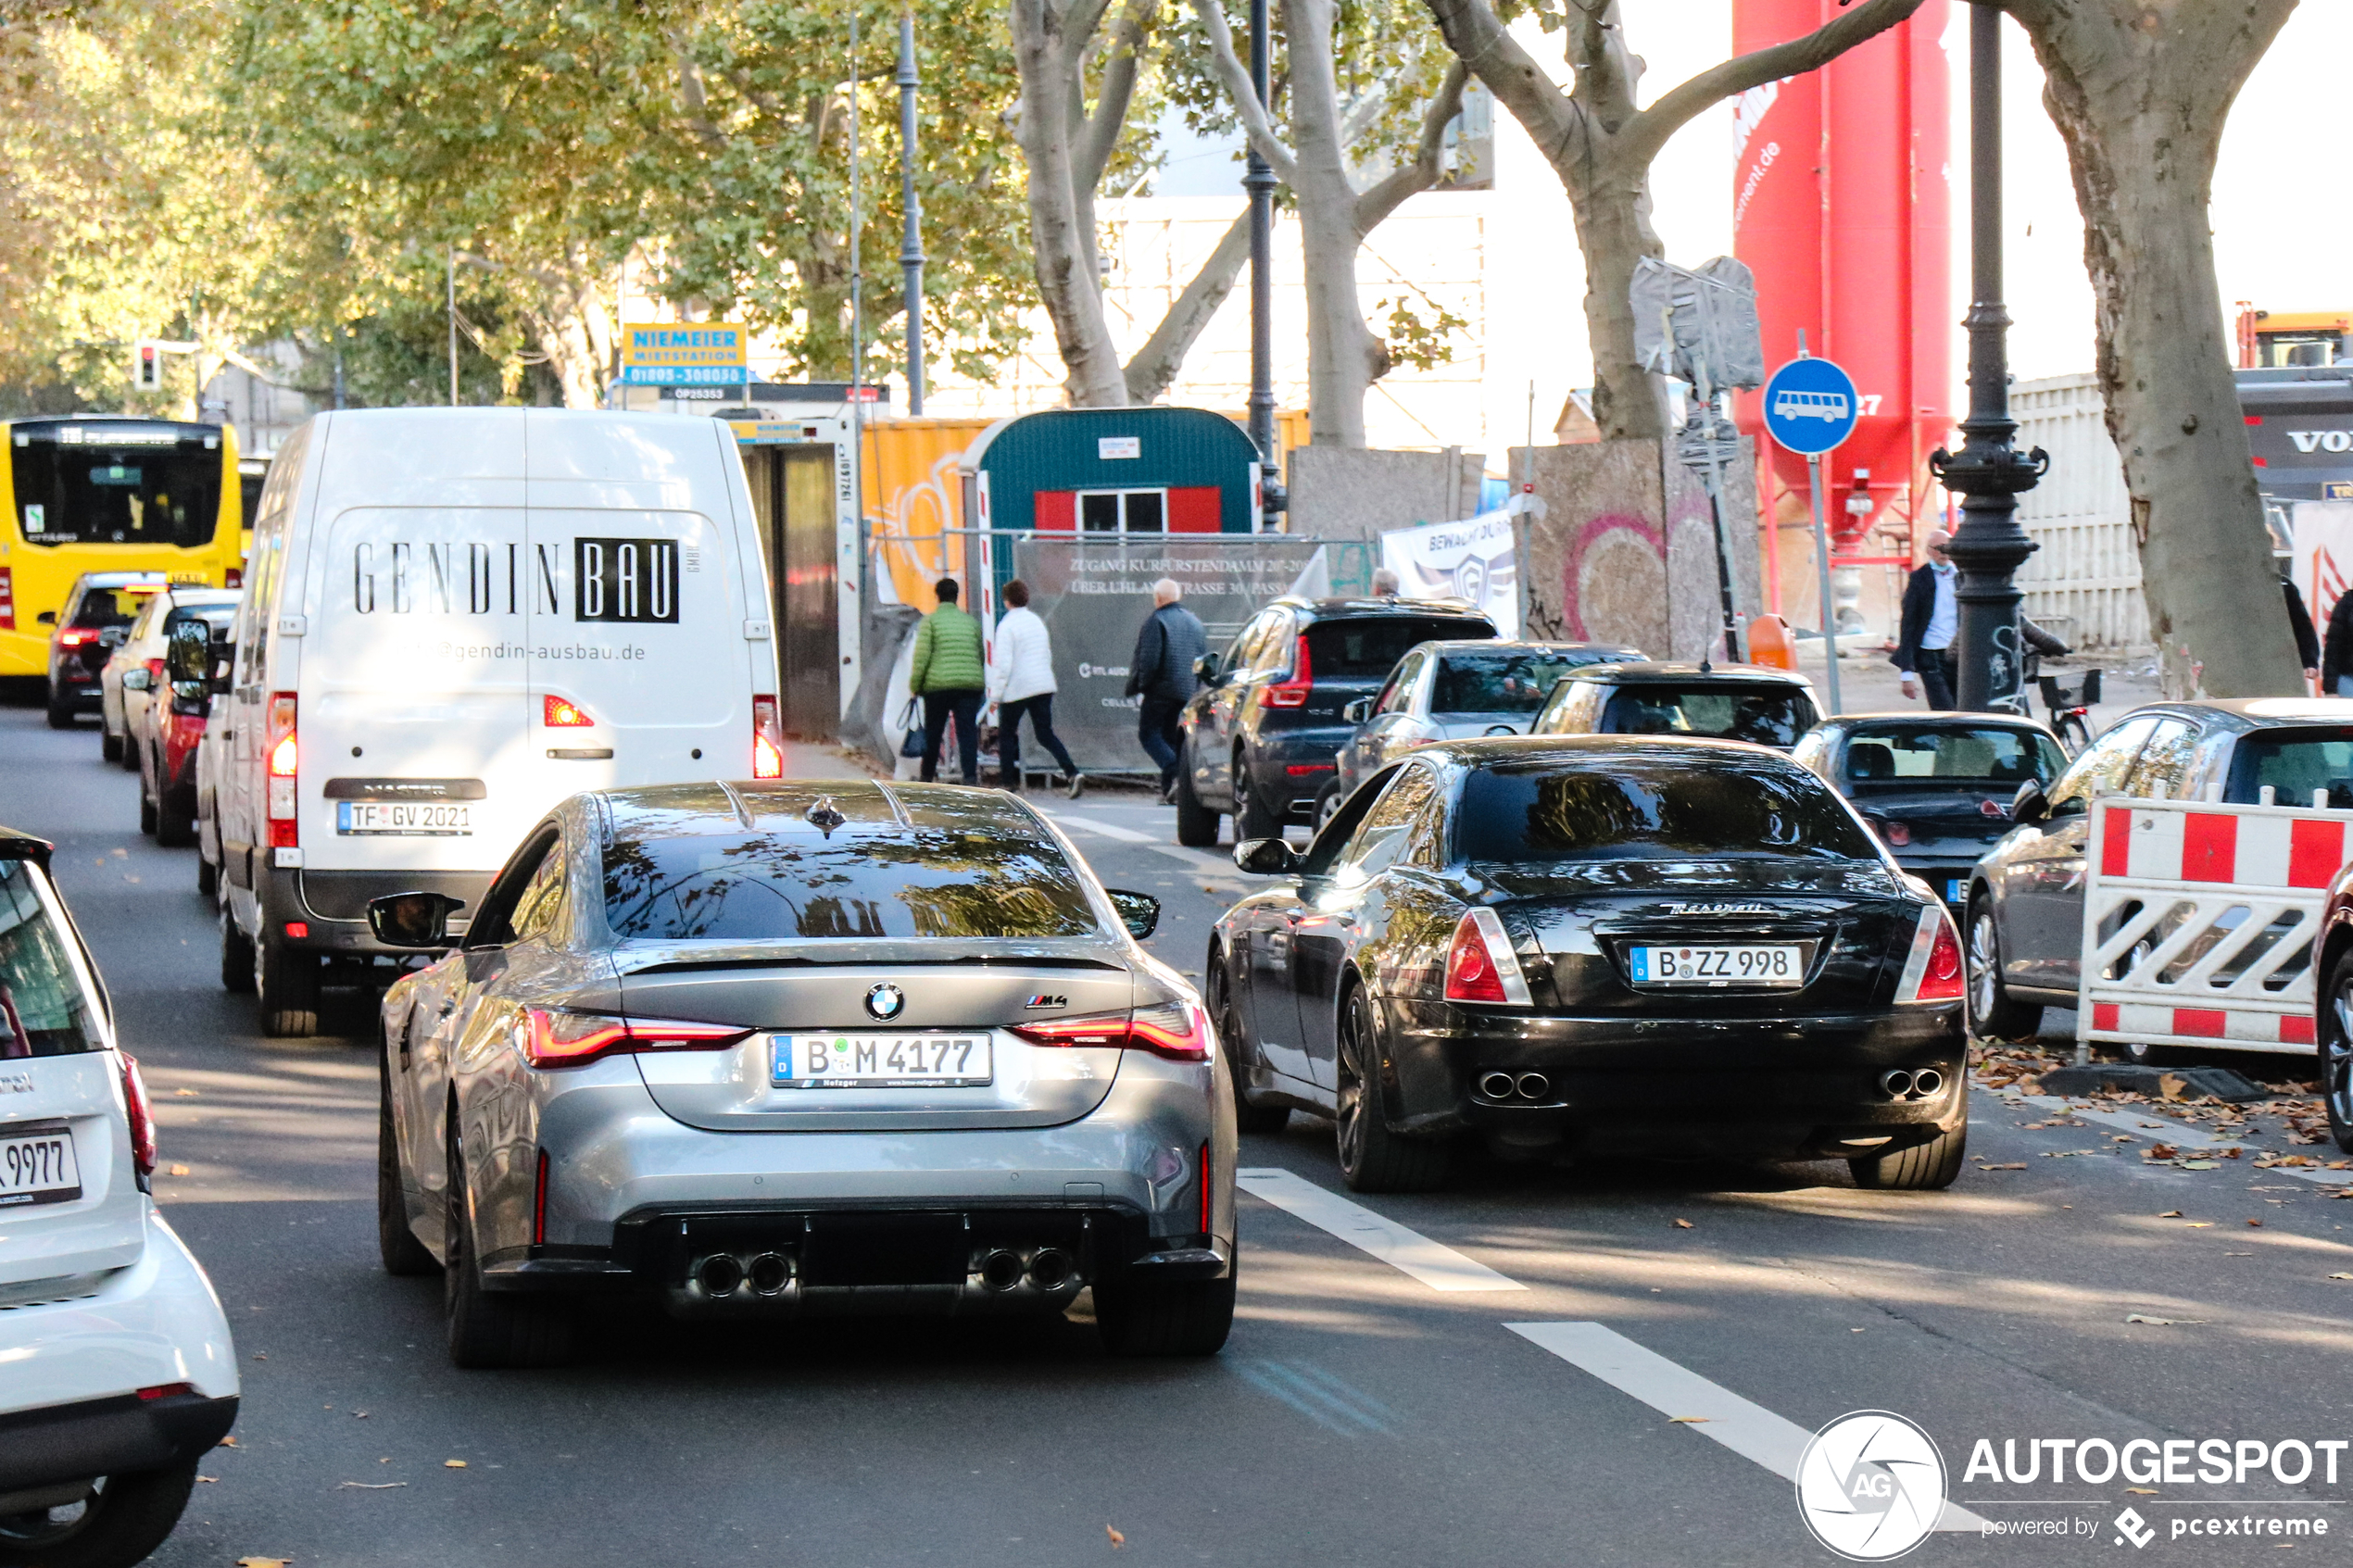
<point x="1871" y="1485"/>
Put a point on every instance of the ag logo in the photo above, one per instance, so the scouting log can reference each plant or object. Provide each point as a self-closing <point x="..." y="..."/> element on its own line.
<point x="1871" y="1485"/>
<point x="886" y="1002"/>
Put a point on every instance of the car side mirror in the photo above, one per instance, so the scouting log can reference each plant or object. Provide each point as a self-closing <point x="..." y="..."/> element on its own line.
<point x="2030" y="805"/>
<point x="46" y="618"/>
<point x="1138" y="912"/>
<point x="412" y="920"/>
<point x="1358" y="709"/>
<point x="1266" y="857"/>
<point x="136" y="680"/>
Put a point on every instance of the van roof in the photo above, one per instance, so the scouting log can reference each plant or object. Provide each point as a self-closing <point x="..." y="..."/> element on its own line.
<point x="547" y="443"/>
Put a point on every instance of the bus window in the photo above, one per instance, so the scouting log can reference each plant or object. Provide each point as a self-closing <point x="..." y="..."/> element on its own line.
<point x="90" y="491"/>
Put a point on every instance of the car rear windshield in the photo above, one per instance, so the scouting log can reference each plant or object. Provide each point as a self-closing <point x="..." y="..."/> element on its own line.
<point x="46" y="1004"/>
<point x="110" y="607"/>
<point x="970" y="881"/>
<point x="1888" y="759"/>
<point x="1675" y="807"/>
<point x="1498" y="682"/>
<point x="1368" y="649"/>
<point x="1769" y="716"/>
<point x="2296" y="764"/>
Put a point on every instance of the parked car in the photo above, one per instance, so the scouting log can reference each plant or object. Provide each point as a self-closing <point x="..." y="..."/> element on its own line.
<point x="2025" y="925"/>
<point x="131" y="676"/>
<point x="1453" y="691"/>
<point x="1262" y="737"/>
<point x="766" y="1049"/>
<point x="1728" y="701"/>
<point x="121" y="1373"/>
<point x="205" y="767"/>
<point x="83" y="635"/>
<point x="166" y="747"/>
<point x="1594" y="946"/>
<point x="1936" y="787"/>
<point x="425" y="664"/>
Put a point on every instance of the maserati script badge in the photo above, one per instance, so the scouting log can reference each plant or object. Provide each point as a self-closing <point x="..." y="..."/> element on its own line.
<point x="886" y="1002"/>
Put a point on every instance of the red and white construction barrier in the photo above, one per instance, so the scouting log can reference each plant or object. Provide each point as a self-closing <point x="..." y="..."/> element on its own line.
<point x="2198" y="922"/>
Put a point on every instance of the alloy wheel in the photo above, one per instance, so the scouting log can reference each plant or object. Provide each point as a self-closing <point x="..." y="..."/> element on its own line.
<point x="1984" y="964"/>
<point x="2336" y="1053"/>
<point x="1353" y="1108"/>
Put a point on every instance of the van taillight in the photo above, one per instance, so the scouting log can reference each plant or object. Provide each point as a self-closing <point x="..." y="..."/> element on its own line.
<point x="1292" y="689"/>
<point x="233" y="578"/>
<point x="767" y="740"/>
<point x="7" y="601"/>
<point x="282" y="754"/>
<point x="559" y="713"/>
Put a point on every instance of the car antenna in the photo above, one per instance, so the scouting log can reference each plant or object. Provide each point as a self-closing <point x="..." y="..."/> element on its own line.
<point x="826" y="815"/>
<point x="1705" y="668"/>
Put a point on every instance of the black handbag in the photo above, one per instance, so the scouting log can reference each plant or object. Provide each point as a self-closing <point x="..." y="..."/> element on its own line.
<point x="911" y="742"/>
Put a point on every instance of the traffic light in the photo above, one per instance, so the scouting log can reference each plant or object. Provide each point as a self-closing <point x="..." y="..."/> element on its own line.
<point x="147" y="365"/>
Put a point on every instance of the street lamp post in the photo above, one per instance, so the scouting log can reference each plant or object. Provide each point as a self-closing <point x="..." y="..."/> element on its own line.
<point x="1258" y="178"/>
<point x="910" y="244"/>
<point x="1988" y="472"/>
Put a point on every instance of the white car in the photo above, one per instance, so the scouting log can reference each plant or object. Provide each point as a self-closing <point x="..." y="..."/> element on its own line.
<point x="117" y="1372"/>
<point x="133" y="671"/>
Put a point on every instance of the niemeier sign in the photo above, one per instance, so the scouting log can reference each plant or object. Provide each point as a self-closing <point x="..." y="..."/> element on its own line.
<point x="684" y="354"/>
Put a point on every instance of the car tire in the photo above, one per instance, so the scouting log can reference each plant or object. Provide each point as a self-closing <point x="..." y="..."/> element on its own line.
<point x="60" y="717"/>
<point x="397" y="1244"/>
<point x="1196" y="824"/>
<point x="1927" y="1167"/>
<point x="2336" y="1050"/>
<point x="1372" y="1157"/>
<point x="1327" y="803"/>
<point x="1182" y="1318"/>
<point x="110" y="745"/>
<point x="146" y="808"/>
<point x="175" y="829"/>
<point x="490" y="1329"/>
<point x="286" y="982"/>
<point x="208" y="877"/>
<point x="129" y="758"/>
<point x="1994" y="1013"/>
<point x="1253" y="817"/>
<point x="129" y="1516"/>
<point x="236" y="954"/>
<point x="1248" y="1118"/>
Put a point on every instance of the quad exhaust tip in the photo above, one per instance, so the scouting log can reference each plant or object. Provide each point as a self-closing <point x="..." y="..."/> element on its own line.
<point x="769" y="1274"/>
<point x="719" y="1275"/>
<point x="1051" y="1269"/>
<point x="1505" y="1085"/>
<point x="1902" y="1083"/>
<point x="1000" y="1270"/>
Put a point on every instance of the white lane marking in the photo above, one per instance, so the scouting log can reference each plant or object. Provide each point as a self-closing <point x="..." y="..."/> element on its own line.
<point x="2181" y="1133"/>
<point x="1745" y="1427"/>
<point x="1194" y="860"/>
<point x="1436" y="1265"/>
<point x="1095" y="825"/>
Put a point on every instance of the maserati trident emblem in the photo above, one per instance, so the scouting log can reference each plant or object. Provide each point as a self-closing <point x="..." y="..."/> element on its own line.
<point x="886" y="1002"/>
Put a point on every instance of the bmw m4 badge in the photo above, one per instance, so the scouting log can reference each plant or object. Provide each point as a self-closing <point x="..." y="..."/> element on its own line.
<point x="886" y="1002"/>
<point x="1045" y="999"/>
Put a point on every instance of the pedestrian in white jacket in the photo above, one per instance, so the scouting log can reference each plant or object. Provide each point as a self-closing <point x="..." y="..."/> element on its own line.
<point x="1021" y="680"/>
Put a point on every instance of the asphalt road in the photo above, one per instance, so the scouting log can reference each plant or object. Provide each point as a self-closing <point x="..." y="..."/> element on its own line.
<point x="1372" y="1408"/>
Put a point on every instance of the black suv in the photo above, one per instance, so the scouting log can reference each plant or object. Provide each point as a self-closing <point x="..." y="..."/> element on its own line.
<point x="1263" y="735"/>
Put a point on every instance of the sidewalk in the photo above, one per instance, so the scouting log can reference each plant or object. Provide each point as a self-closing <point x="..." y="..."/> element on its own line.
<point x="1868" y="683"/>
<point x="808" y="759"/>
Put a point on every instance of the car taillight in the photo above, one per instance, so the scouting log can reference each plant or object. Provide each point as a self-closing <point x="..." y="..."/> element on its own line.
<point x="76" y="637"/>
<point x="568" y="1039"/>
<point x="142" y="1118"/>
<point x="1292" y="689"/>
<point x="7" y="601"/>
<point x="1178" y="1031"/>
<point x="233" y="578"/>
<point x="1204" y="1188"/>
<point x="767" y="740"/>
<point x="539" y="1204"/>
<point x="1896" y="835"/>
<point x="284" y="754"/>
<point x="167" y="1390"/>
<point x="1932" y="970"/>
<point x="1481" y="965"/>
<point x="155" y="675"/>
<point x="557" y="713"/>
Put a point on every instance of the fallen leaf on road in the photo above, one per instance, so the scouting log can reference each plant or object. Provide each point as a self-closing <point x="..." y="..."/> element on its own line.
<point x="2013" y="1165"/>
<point x="368" y="1485"/>
<point x="2340" y="1165"/>
<point x="1700" y="1420"/>
<point x="2160" y="1151"/>
<point x="2171" y="1085"/>
<point x="2145" y="1491"/>
<point x="453" y="1464"/>
<point x="2341" y="1276"/>
<point x="1117" y="1540"/>
<point x="2230" y="1153"/>
<point x="2200" y="1225"/>
<point x="360" y="1414"/>
<point x="185" y="1094"/>
<point x="230" y="1442"/>
<point x="2257" y="1223"/>
<point x="2161" y="1322"/>
<point x="208" y="1480"/>
<point x="2197" y="1165"/>
<point x="261" y="1355"/>
<point x="177" y="1171"/>
<point x="1682" y="1224"/>
<point x="2171" y="1214"/>
<point x="263" y="1562"/>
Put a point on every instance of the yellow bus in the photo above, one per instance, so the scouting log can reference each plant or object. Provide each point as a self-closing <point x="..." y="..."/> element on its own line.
<point x="103" y="492"/>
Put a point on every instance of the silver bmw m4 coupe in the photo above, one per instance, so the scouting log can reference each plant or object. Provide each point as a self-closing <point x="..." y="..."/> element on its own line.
<point x="759" y="1050"/>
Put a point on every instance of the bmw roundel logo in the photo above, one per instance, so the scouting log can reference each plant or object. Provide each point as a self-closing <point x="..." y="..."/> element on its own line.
<point x="886" y="1002"/>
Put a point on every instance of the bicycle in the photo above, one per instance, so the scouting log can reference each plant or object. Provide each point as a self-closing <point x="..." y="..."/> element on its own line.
<point x="2071" y="703"/>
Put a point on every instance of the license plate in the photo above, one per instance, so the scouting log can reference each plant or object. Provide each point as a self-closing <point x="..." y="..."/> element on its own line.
<point x="403" y="816"/>
<point x="38" y="1168"/>
<point x="1747" y="963"/>
<point x="880" y="1061"/>
<point x="1953" y="887"/>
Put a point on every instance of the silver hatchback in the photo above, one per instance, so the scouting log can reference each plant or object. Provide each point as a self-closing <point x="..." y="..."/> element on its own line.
<point x="764" y="1051"/>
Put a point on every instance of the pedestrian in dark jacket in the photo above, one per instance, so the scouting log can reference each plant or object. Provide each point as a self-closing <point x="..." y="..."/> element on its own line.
<point x="1161" y="673"/>
<point x="951" y="674"/>
<point x="2299" y="625"/>
<point x="2336" y="652"/>
<point x="1930" y="626"/>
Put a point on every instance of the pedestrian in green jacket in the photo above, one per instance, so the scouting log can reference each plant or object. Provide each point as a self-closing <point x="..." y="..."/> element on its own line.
<point x="950" y="673"/>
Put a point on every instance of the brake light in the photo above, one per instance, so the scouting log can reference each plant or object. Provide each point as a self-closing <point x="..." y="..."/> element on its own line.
<point x="1481" y="965"/>
<point x="557" y="713"/>
<point x="154" y="674"/>
<point x="568" y="1039"/>
<point x="1932" y="970"/>
<point x="76" y="637"/>
<point x="283" y="754"/>
<point x="767" y="740"/>
<point x="1292" y="689"/>
<point x="1178" y="1031"/>
<point x="539" y="1204"/>
<point x="233" y="578"/>
<point x="167" y="1390"/>
<point x="142" y="1116"/>
<point x="1204" y="1188"/>
<point x="7" y="601"/>
<point x="1896" y="835"/>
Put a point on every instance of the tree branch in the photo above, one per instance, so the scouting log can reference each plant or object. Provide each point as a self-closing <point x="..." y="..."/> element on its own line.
<point x="1422" y="172"/>
<point x="1236" y="78"/>
<point x="1099" y="134"/>
<point x="1154" y="365"/>
<point x="1649" y="131"/>
<point x="690" y="95"/>
<point x="1478" y="37"/>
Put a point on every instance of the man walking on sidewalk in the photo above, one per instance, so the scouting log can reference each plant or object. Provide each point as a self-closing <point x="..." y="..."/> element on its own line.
<point x="1161" y="673"/>
<point x="1021" y="681"/>
<point x="1930" y="621"/>
<point x="949" y="675"/>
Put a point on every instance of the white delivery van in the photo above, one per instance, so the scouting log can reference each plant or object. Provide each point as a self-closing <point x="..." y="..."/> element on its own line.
<point x="456" y="617"/>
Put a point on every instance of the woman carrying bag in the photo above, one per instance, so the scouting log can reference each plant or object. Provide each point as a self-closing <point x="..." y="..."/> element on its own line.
<point x="1021" y="680"/>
